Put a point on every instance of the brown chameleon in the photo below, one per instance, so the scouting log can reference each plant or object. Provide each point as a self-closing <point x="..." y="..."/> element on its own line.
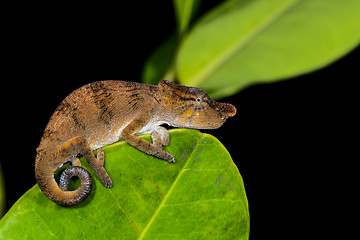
<point x="103" y="112"/>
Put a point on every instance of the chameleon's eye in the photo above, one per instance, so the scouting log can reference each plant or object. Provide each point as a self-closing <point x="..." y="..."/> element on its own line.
<point x="198" y="99"/>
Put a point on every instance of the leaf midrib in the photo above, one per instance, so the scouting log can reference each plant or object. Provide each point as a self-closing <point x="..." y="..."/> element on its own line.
<point x="153" y="218"/>
<point x="199" y="77"/>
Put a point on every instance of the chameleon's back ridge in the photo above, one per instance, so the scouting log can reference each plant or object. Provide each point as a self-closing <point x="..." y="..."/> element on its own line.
<point x="101" y="113"/>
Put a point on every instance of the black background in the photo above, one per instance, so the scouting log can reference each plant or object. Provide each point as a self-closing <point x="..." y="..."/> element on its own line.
<point x="285" y="138"/>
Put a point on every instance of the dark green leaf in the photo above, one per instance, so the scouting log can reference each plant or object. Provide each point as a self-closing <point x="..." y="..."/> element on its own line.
<point x="159" y="65"/>
<point x="185" y="11"/>
<point x="201" y="196"/>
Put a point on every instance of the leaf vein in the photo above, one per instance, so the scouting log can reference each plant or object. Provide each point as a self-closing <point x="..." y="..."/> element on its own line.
<point x="46" y="224"/>
<point x="168" y="193"/>
<point x="127" y="216"/>
<point x="240" y="43"/>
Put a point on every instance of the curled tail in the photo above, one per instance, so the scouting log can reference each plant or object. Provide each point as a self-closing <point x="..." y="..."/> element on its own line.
<point x="44" y="173"/>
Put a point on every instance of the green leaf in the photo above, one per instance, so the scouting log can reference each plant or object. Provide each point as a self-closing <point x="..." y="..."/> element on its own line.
<point x="250" y="41"/>
<point x="201" y="196"/>
<point x="185" y="11"/>
<point x="160" y="64"/>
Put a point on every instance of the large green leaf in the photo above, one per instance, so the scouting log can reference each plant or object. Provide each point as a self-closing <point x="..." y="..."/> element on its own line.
<point x="248" y="41"/>
<point x="201" y="196"/>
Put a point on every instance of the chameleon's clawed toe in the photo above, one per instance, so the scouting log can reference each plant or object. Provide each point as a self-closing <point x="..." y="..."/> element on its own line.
<point x="172" y="160"/>
<point x="108" y="184"/>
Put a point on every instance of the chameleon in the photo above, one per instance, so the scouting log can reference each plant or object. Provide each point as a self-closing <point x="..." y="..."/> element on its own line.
<point x="103" y="112"/>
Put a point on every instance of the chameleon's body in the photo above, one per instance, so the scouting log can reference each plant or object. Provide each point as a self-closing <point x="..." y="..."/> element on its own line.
<point x="101" y="113"/>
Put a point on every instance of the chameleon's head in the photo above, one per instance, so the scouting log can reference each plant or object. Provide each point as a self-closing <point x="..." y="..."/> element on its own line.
<point x="192" y="108"/>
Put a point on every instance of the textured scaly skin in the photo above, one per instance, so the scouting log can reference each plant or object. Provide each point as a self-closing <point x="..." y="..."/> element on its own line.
<point x="101" y="113"/>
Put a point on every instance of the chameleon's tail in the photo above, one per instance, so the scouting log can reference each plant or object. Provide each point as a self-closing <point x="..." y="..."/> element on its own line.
<point x="59" y="194"/>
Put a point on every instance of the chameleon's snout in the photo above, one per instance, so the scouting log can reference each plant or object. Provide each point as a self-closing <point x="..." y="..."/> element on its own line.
<point x="227" y="109"/>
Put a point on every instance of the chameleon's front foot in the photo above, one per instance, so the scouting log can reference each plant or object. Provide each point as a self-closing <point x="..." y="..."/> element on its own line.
<point x="171" y="159"/>
<point x="160" y="137"/>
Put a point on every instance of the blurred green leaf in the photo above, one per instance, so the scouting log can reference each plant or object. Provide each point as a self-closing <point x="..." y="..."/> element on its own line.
<point x="185" y="11"/>
<point x="201" y="196"/>
<point x="2" y="194"/>
<point x="250" y="41"/>
<point x="160" y="64"/>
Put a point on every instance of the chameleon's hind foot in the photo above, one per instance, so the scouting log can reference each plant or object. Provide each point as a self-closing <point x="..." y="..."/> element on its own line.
<point x="102" y="174"/>
<point x="169" y="158"/>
